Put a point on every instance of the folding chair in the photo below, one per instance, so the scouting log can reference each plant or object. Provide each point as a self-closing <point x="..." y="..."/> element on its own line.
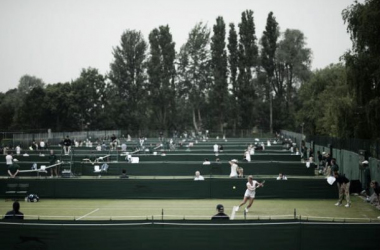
<point x="22" y="189"/>
<point x="11" y="190"/>
<point x="42" y="170"/>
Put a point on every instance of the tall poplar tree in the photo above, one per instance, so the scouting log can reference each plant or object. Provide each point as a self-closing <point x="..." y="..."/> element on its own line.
<point x="219" y="88"/>
<point x="194" y="72"/>
<point x="161" y="72"/>
<point x="247" y="62"/>
<point x="127" y="76"/>
<point x="268" y="51"/>
<point x="233" y="69"/>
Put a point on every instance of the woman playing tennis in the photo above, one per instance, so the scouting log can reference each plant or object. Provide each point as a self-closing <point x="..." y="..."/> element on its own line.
<point x="250" y="193"/>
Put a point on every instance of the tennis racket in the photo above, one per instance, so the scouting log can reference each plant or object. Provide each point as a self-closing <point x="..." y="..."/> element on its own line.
<point x="261" y="185"/>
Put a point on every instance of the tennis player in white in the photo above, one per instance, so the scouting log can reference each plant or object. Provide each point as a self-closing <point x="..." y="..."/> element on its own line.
<point x="249" y="193"/>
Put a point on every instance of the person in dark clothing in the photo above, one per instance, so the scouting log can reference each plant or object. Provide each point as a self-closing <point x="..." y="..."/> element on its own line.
<point x="124" y="174"/>
<point x="67" y="145"/>
<point x="13" y="170"/>
<point x="220" y="215"/>
<point x="15" y="213"/>
<point x="367" y="179"/>
<point x="334" y="167"/>
<point x="52" y="161"/>
<point x="344" y="189"/>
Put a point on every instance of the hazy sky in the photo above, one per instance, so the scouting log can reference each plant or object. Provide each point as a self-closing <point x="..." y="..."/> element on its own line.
<point x="54" y="39"/>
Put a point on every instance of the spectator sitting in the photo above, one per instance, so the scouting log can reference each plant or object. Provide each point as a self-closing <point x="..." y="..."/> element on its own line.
<point x="220" y="215"/>
<point x="375" y="197"/>
<point x="221" y="148"/>
<point x="198" y="176"/>
<point x="104" y="146"/>
<point x="34" y="145"/>
<point x="297" y="151"/>
<point x="217" y="161"/>
<point x="15" y="213"/>
<point x="282" y="177"/>
<point x="216" y="148"/>
<point x="9" y="158"/>
<point x="42" y="145"/>
<point x="206" y="162"/>
<point x="18" y="150"/>
<point x="124" y="174"/>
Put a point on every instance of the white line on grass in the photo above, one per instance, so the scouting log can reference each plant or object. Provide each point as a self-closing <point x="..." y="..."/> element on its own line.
<point x="88" y="214"/>
<point x="233" y="212"/>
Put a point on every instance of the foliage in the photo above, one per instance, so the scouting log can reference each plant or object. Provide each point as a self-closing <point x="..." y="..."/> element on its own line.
<point x="219" y="88"/>
<point x="128" y="81"/>
<point x="194" y="72"/>
<point x="161" y="72"/>
<point x="247" y="61"/>
<point x="362" y="64"/>
<point x="207" y="85"/>
<point x="327" y="107"/>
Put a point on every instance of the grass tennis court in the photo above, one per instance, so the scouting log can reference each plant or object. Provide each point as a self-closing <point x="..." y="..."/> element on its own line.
<point x="88" y="209"/>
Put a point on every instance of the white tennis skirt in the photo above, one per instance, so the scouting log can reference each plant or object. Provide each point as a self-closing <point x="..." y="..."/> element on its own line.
<point x="249" y="193"/>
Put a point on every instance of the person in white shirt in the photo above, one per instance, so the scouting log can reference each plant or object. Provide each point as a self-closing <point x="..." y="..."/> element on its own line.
<point x="216" y="148"/>
<point x="234" y="166"/>
<point x="18" y="150"/>
<point x="247" y="155"/>
<point x="198" y="176"/>
<point x="250" y="193"/>
<point x="281" y="176"/>
<point x="206" y="162"/>
<point x="8" y="159"/>
<point x="42" y="145"/>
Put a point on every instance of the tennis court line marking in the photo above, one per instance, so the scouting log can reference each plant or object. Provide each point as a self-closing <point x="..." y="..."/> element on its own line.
<point x="233" y="213"/>
<point x="88" y="214"/>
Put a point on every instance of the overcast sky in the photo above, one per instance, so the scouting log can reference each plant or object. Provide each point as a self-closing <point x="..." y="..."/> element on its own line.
<point x="54" y="39"/>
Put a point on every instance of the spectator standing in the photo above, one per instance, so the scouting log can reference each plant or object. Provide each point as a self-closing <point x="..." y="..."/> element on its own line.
<point x="67" y="145"/>
<point x="13" y="170"/>
<point x="344" y="189"/>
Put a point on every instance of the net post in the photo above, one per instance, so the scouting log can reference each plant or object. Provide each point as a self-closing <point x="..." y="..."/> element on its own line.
<point x="162" y="215"/>
<point x="295" y="213"/>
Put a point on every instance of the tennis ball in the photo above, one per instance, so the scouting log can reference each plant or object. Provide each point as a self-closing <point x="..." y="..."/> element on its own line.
<point x="233" y="187"/>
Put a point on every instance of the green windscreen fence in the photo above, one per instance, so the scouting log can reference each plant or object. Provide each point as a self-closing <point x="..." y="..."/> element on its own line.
<point x="195" y="235"/>
<point x="172" y="188"/>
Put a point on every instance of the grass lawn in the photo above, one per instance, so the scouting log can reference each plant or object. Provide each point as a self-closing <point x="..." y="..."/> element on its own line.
<point x="70" y="209"/>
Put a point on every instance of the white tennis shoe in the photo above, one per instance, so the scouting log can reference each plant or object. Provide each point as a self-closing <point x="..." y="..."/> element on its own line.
<point x="246" y="210"/>
<point x="236" y="208"/>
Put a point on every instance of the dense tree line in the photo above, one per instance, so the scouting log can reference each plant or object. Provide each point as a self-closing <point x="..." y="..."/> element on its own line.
<point x="224" y="78"/>
<point x="343" y="100"/>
